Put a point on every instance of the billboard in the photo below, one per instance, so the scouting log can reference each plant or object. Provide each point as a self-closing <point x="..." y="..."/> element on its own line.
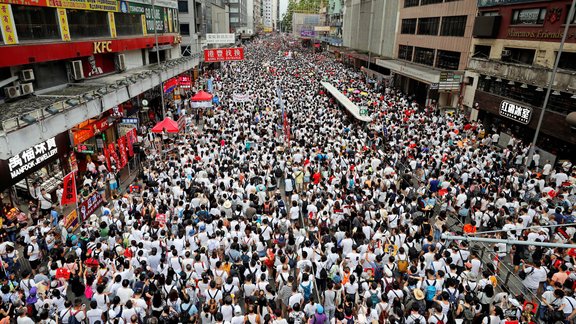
<point x="220" y="38"/>
<point x="224" y="54"/>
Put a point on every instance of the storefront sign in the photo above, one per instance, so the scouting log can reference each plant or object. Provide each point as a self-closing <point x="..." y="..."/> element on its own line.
<point x="489" y="3"/>
<point x="102" y="47"/>
<point x="163" y="18"/>
<point x="85" y="148"/>
<point x="133" y="121"/>
<point x="159" y="3"/>
<point x="322" y="28"/>
<point x="32" y="157"/>
<point x="184" y="81"/>
<point x="220" y="38"/>
<point x="515" y="112"/>
<point x="90" y="205"/>
<point x="100" y="5"/>
<point x="224" y="54"/>
<point x="307" y="33"/>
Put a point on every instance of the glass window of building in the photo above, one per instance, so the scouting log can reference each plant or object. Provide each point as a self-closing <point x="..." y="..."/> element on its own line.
<point x="405" y="52"/>
<point x="447" y="60"/>
<point x="408" y="26"/>
<point x="128" y="24"/>
<point x="86" y="24"/>
<point x="424" y="56"/>
<point x="427" y="2"/>
<point x="184" y="29"/>
<point x="567" y="61"/>
<point x="183" y="6"/>
<point x="481" y="51"/>
<point x="453" y="26"/>
<point x="35" y="23"/>
<point x="518" y="55"/>
<point x="532" y="16"/>
<point x="411" y="3"/>
<point x="428" y="26"/>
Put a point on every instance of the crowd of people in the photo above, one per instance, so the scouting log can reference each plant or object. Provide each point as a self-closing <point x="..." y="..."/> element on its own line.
<point x="295" y="212"/>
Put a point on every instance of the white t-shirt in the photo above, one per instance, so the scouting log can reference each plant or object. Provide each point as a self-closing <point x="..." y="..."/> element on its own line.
<point x="534" y="277"/>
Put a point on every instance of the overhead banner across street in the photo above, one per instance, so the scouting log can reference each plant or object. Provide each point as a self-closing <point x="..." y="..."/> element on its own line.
<point x="224" y="54"/>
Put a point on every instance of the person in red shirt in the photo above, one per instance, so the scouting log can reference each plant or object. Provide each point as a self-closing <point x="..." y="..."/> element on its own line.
<point x="316" y="177"/>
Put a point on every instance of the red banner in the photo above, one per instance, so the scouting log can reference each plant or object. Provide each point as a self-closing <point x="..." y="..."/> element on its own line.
<point x="122" y="149"/>
<point x="69" y="196"/>
<point x="107" y="155"/>
<point x="130" y="140"/>
<point x="113" y="155"/>
<point x="224" y="54"/>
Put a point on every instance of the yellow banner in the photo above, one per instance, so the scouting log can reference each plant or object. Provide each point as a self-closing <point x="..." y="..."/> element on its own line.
<point x="144" y="29"/>
<point x="64" y="31"/>
<point x="7" y="23"/>
<point x="101" y="5"/>
<point x="112" y="24"/>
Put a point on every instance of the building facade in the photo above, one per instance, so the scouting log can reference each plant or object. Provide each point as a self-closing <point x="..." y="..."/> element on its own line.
<point x="513" y="53"/>
<point x="268" y="17"/>
<point x="432" y="47"/>
<point x="75" y="78"/>
<point x="189" y="13"/>
<point x="238" y="10"/>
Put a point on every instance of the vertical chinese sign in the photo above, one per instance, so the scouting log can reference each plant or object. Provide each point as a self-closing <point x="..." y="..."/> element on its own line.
<point x="69" y="196"/>
<point x="63" y="18"/>
<point x="7" y="24"/>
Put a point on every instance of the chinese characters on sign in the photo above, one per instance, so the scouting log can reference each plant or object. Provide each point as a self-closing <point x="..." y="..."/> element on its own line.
<point x="69" y="196"/>
<point x="515" y="112"/>
<point x="7" y="25"/>
<point x="224" y="54"/>
<point x="220" y="38"/>
<point x="31" y="157"/>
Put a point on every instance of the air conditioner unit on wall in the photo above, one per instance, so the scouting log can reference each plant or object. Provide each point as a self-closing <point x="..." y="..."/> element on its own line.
<point x="77" y="70"/>
<point x="12" y="92"/>
<point x="27" y="88"/>
<point x="27" y="75"/>
<point x="121" y="62"/>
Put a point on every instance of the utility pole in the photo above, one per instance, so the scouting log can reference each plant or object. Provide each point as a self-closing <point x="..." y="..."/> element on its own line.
<point x="158" y="58"/>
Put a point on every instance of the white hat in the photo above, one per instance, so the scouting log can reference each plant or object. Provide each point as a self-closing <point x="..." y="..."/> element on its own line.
<point x="237" y="310"/>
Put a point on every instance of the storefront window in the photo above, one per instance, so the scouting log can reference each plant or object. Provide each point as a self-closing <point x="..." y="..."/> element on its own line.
<point x="128" y="24"/>
<point x="85" y="24"/>
<point x="35" y="23"/>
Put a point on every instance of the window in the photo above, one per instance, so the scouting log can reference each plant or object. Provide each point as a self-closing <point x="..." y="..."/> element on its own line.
<point x="85" y="24"/>
<point x="489" y="13"/>
<point x="408" y="26"/>
<point x="234" y="10"/>
<point x="424" y="56"/>
<point x="405" y="52"/>
<point x="426" y="2"/>
<point x="182" y="6"/>
<point x="447" y="60"/>
<point x="453" y="26"/>
<point x="518" y="55"/>
<point x="428" y="26"/>
<point x="127" y="24"/>
<point x="567" y="61"/>
<point x="34" y="23"/>
<point x="533" y="16"/>
<point x="411" y="3"/>
<point x="482" y="51"/>
<point x="233" y="19"/>
<point x="185" y="29"/>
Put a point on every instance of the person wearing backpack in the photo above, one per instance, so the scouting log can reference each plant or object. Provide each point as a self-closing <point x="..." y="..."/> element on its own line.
<point x="415" y="317"/>
<point x="429" y="286"/>
<point x="436" y="316"/>
<point x="77" y="313"/>
<point x="306" y="287"/>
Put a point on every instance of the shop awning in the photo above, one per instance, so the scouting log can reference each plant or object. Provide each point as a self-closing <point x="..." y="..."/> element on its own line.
<point x="344" y="101"/>
<point x="167" y="125"/>
<point x="202" y="96"/>
<point x="411" y="70"/>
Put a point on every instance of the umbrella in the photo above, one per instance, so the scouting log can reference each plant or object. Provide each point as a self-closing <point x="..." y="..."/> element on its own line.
<point x="364" y="93"/>
<point x="167" y="125"/>
<point x="351" y="89"/>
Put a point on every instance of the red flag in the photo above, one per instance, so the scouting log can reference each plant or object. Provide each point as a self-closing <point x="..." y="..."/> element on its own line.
<point x="107" y="155"/>
<point x="130" y="141"/>
<point x="69" y="196"/>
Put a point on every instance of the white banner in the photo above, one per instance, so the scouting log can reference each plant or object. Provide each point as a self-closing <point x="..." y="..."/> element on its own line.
<point x="220" y="38"/>
<point x="238" y="97"/>
<point x="201" y="104"/>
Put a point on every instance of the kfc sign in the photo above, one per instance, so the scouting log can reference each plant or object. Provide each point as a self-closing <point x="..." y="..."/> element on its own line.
<point x="515" y="112"/>
<point x="224" y="54"/>
<point x="32" y="157"/>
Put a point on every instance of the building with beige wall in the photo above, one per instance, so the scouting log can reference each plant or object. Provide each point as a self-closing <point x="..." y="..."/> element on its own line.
<point x="432" y="49"/>
<point x="513" y="53"/>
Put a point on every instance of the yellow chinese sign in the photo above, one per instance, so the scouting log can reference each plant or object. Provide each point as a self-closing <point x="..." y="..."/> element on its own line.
<point x="7" y="23"/>
<point x="101" y="5"/>
<point x="112" y="24"/>
<point x="64" y="31"/>
<point x="144" y="29"/>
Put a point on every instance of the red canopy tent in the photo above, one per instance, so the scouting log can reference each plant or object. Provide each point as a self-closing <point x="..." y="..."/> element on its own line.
<point x="202" y="96"/>
<point x="167" y="125"/>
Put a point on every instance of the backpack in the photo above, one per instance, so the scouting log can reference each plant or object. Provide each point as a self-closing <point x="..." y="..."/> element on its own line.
<point x="402" y="266"/>
<point x="266" y="208"/>
<point x="72" y="318"/>
<point x="412" y="252"/>
<point x="307" y="291"/>
<point x="468" y="314"/>
<point x="491" y="222"/>
<point x="378" y="271"/>
<point x="438" y="320"/>
<point x="278" y="172"/>
<point x="451" y="296"/>
<point x="416" y="320"/>
<point x="26" y="252"/>
<point x="374" y="298"/>
<point x="430" y="291"/>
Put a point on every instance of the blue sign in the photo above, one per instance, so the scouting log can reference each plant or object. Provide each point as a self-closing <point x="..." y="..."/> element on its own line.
<point x="490" y="3"/>
<point x="132" y="121"/>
